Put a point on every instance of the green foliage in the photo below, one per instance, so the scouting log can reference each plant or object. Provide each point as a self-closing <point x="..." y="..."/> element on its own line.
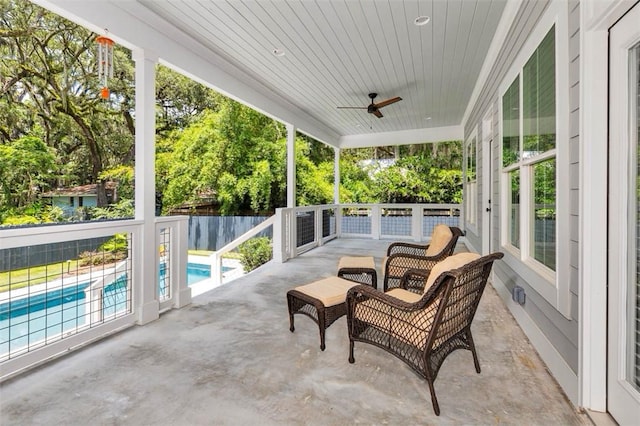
<point x="255" y="252"/>
<point x="314" y="182"/>
<point x="111" y="251"/>
<point x="33" y="214"/>
<point x="117" y="244"/>
<point x="123" y="175"/>
<point x="235" y="157"/>
<point x="21" y="220"/>
<point x="26" y="165"/>
<point x="122" y="209"/>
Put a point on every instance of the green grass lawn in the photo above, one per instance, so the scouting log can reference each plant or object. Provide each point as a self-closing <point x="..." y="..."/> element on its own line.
<point x="229" y="255"/>
<point x="19" y="278"/>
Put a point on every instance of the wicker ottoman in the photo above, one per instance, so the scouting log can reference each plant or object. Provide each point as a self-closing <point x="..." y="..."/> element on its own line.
<point x="323" y="301"/>
<point x="361" y="269"/>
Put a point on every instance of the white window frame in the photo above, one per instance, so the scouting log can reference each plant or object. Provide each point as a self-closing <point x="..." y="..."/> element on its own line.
<point x="553" y="286"/>
<point x="471" y="188"/>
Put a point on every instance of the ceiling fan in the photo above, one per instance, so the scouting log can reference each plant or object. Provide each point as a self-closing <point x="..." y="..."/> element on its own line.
<point x="374" y="108"/>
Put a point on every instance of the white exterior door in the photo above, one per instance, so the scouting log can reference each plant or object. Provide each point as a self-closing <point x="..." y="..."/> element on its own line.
<point x="623" y="366"/>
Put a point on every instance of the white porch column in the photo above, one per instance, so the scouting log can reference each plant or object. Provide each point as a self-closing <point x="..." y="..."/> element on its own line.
<point x="336" y="175"/>
<point x="145" y="270"/>
<point x="291" y="166"/>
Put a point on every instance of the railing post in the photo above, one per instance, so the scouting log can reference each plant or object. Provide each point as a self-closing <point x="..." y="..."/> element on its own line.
<point x="375" y="221"/>
<point x="179" y="253"/>
<point x="416" y="222"/>
<point x="216" y="268"/>
<point x="338" y="216"/>
<point x="278" y="237"/>
<point x="292" y="231"/>
<point x="318" y="225"/>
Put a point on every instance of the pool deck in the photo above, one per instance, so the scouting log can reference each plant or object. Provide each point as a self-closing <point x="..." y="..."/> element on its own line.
<point x="230" y="359"/>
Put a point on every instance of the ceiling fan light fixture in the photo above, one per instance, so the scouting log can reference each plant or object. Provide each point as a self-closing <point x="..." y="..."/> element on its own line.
<point x="278" y="52"/>
<point x="422" y="20"/>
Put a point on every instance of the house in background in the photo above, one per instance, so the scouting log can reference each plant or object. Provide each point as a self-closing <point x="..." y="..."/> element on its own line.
<point x="544" y="94"/>
<point x="71" y="199"/>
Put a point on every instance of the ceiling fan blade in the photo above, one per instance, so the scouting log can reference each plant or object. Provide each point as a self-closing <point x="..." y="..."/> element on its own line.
<point x="388" y="102"/>
<point x="377" y="113"/>
<point x="351" y="107"/>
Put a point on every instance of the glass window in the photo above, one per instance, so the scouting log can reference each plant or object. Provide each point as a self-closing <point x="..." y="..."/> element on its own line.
<point x="511" y="124"/>
<point x="471" y="195"/>
<point x="539" y="99"/>
<point x="544" y="213"/>
<point x="529" y="156"/>
<point x="514" y="208"/>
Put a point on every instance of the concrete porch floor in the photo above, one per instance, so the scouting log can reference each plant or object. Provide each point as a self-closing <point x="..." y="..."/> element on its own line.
<point x="229" y="358"/>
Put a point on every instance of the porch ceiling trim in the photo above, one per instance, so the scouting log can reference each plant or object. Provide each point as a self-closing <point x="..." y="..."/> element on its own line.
<point x="405" y="137"/>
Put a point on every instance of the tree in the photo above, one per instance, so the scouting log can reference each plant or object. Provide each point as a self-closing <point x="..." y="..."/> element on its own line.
<point x="48" y="71"/>
<point x="26" y="166"/>
<point x="234" y="156"/>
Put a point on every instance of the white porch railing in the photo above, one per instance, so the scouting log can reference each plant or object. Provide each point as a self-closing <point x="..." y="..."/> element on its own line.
<point x="105" y="299"/>
<point x="300" y="229"/>
<point x="216" y="256"/>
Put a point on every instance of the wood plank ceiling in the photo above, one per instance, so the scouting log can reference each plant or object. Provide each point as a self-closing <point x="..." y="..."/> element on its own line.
<point x="337" y="51"/>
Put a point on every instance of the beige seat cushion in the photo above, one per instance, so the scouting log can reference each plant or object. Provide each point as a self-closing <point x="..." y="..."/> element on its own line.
<point x="360" y="262"/>
<point x="440" y="237"/>
<point x="330" y="291"/>
<point x="452" y="262"/>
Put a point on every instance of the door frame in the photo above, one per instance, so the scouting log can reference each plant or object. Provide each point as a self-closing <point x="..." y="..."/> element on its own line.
<point x="487" y="187"/>
<point x="595" y="20"/>
<point x="623" y="154"/>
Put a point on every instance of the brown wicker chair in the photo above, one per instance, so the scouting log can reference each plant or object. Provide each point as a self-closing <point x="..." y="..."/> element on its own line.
<point x="402" y="256"/>
<point x="422" y="330"/>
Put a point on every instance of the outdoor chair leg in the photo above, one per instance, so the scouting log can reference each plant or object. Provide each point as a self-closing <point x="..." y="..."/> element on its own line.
<point x="290" y="303"/>
<point x="434" y="400"/>
<point x="473" y="351"/>
<point x="351" y="358"/>
<point x="321" y="324"/>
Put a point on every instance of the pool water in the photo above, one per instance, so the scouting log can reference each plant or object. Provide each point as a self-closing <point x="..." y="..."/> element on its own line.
<point x="48" y="315"/>
<point x="197" y="272"/>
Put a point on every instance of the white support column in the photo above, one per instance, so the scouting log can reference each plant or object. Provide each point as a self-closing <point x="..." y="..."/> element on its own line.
<point x="336" y="175"/>
<point x="291" y="166"/>
<point x="145" y="270"/>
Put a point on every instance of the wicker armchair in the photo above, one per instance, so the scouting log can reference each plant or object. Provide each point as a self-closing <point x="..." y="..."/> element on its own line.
<point x="422" y="330"/>
<point x="402" y="257"/>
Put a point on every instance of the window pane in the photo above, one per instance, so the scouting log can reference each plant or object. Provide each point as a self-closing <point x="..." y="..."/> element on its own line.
<point x="471" y="160"/>
<point x="514" y="208"/>
<point x="544" y="213"/>
<point x="511" y="124"/>
<point x="539" y="98"/>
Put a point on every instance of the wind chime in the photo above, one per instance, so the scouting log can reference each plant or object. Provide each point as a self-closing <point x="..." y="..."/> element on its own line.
<point x="105" y="64"/>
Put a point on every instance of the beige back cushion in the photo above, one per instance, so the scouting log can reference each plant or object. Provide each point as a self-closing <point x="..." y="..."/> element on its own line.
<point x="440" y="237"/>
<point x="452" y="262"/>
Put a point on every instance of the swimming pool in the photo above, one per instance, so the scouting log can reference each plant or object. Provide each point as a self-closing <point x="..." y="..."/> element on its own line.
<point x="48" y="315"/>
